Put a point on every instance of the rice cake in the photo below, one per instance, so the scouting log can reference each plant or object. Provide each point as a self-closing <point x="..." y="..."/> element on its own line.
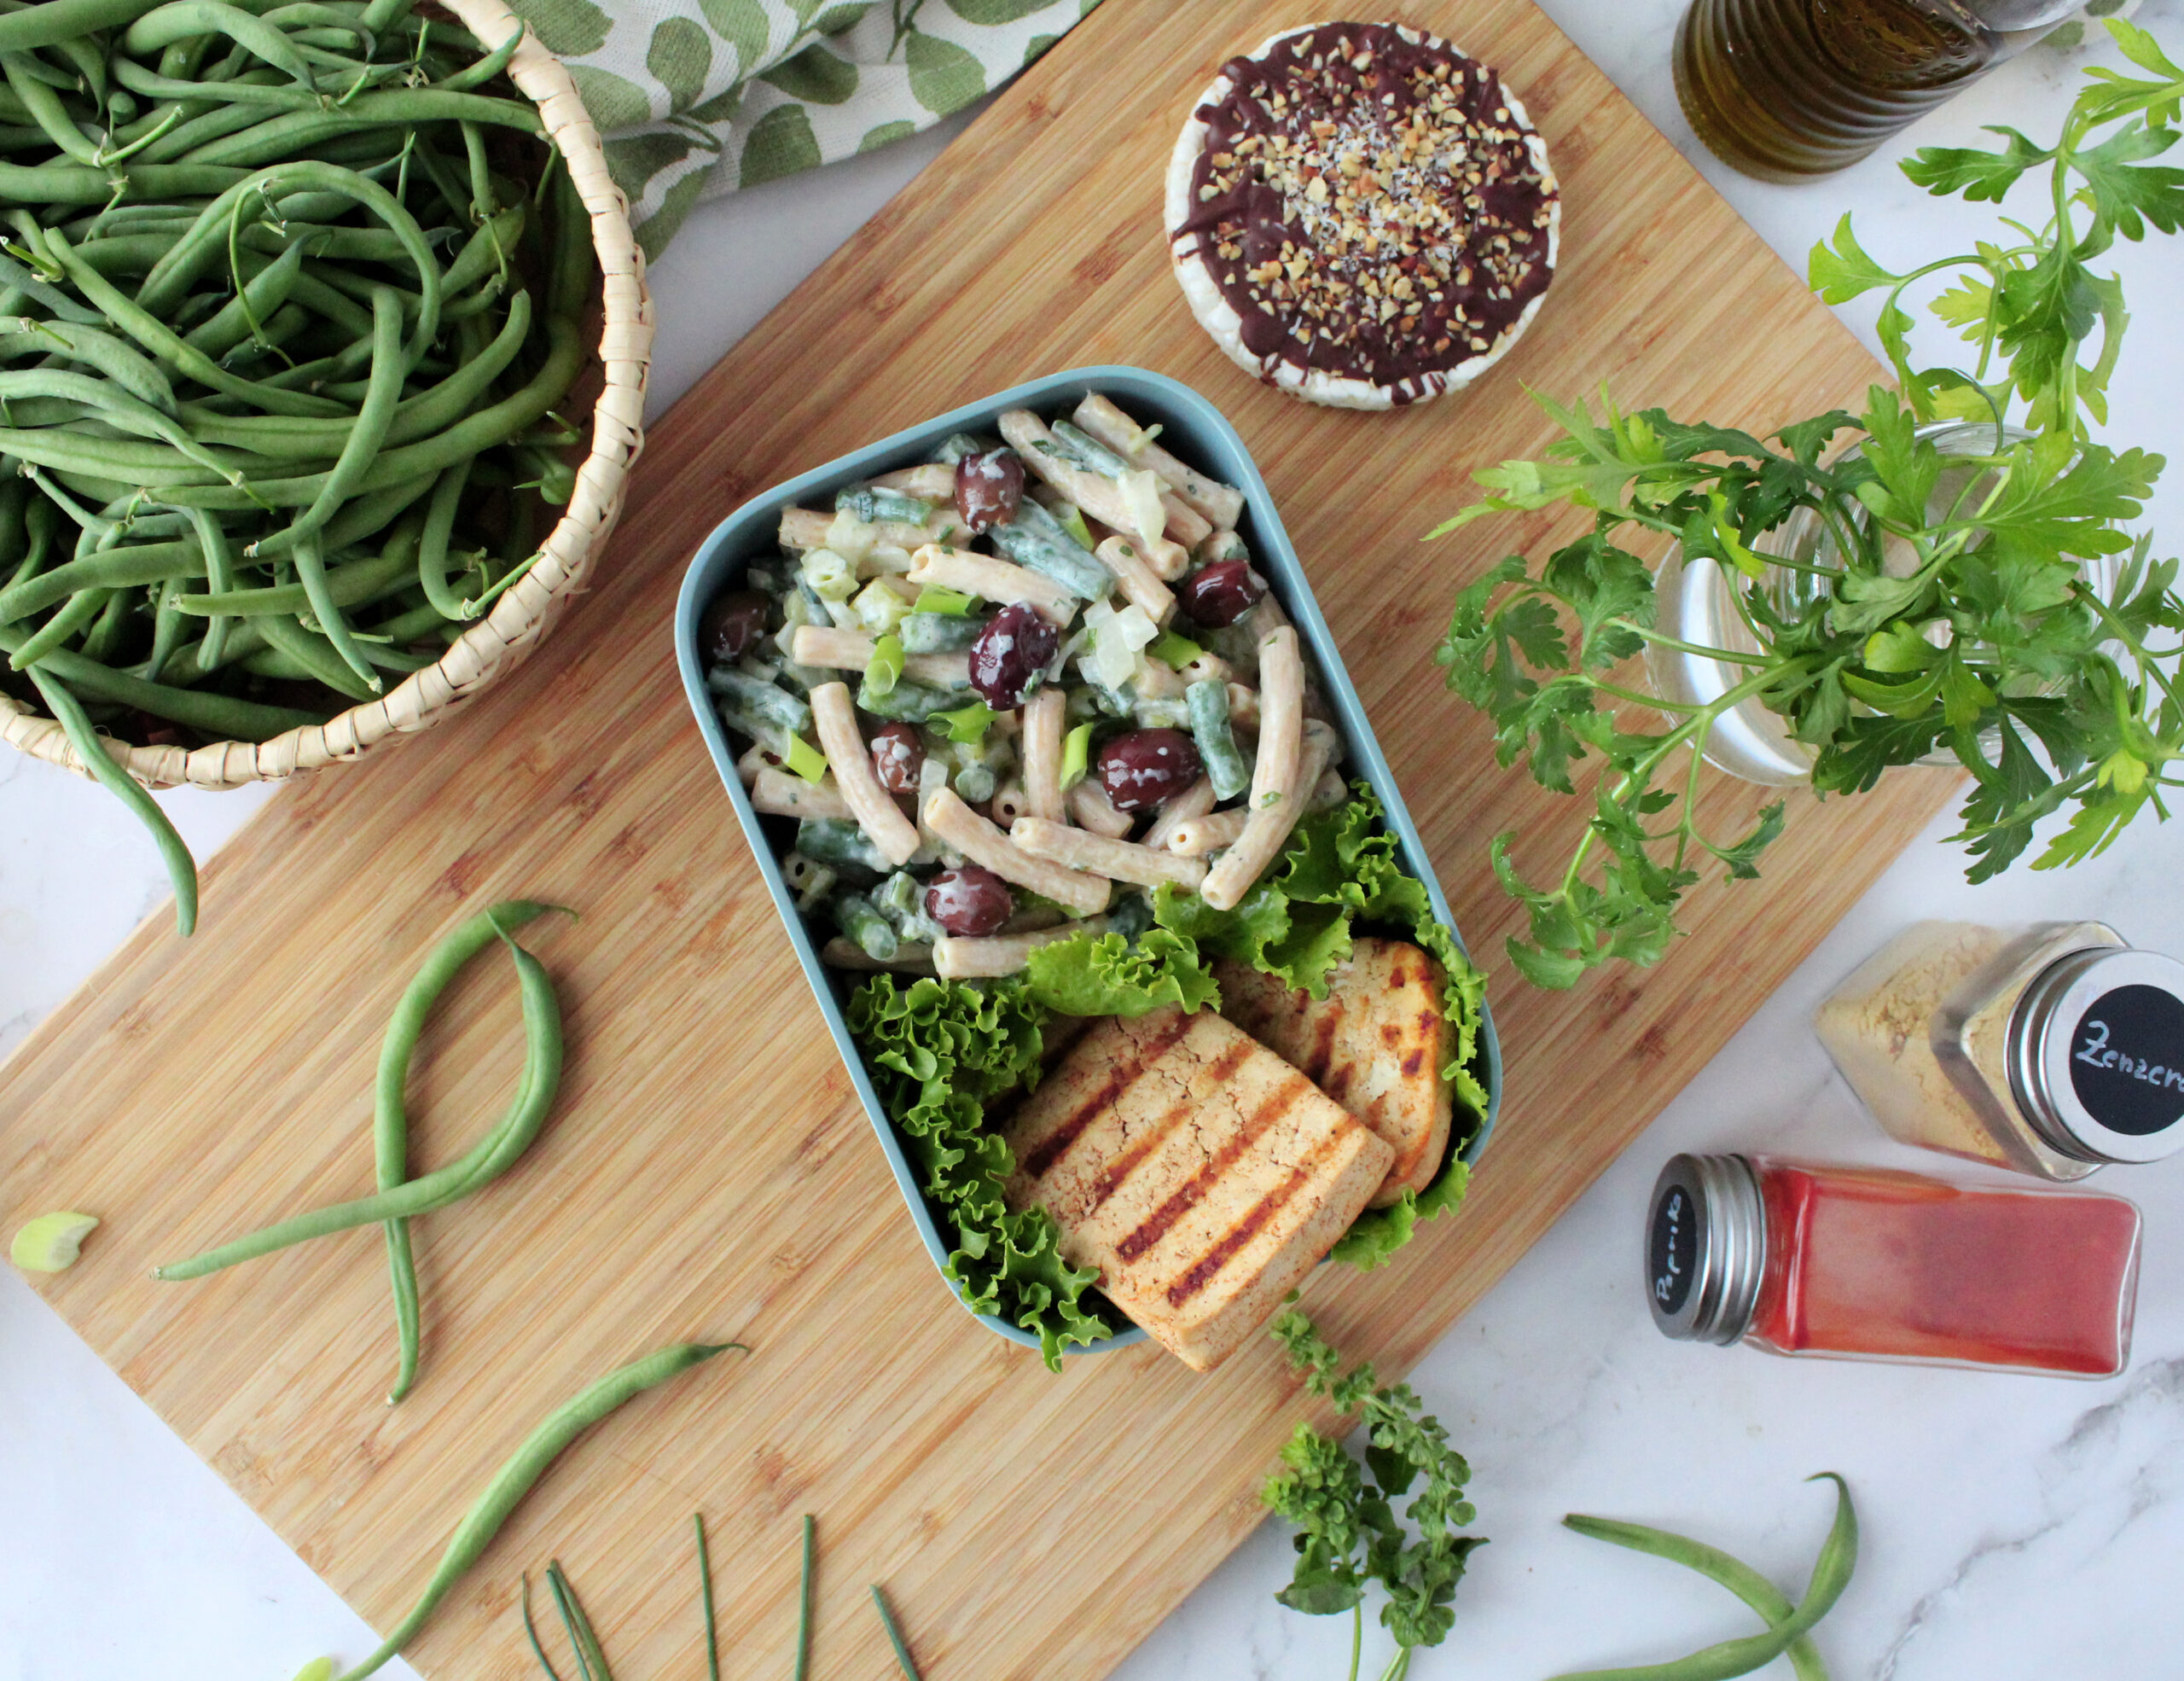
<point x="1201" y="1174"/>
<point x="1362" y="215"/>
<point x="1375" y="1043"/>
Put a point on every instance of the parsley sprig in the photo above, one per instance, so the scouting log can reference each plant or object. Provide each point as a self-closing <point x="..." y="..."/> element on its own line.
<point x="1988" y="606"/>
<point x="1348" y="1534"/>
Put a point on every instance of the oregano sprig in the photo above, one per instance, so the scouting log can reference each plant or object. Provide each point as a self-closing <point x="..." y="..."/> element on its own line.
<point x="1987" y="605"/>
<point x="1348" y="1535"/>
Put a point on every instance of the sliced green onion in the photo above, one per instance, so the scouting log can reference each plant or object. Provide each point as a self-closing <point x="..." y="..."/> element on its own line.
<point x="886" y="666"/>
<point x="1075" y="754"/>
<point x="1175" y="650"/>
<point x="806" y="760"/>
<point x="966" y="723"/>
<point x="953" y="602"/>
<point x="1072" y="521"/>
<point x="51" y="1242"/>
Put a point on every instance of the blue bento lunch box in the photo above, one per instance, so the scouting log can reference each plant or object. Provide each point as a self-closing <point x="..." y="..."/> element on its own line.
<point x="1198" y="431"/>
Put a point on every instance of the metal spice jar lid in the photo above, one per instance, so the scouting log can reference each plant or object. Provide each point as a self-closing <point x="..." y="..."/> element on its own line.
<point x="2096" y="1054"/>
<point x="1705" y="1247"/>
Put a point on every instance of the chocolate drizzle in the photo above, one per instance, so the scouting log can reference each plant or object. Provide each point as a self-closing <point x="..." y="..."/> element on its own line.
<point x="1368" y="204"/>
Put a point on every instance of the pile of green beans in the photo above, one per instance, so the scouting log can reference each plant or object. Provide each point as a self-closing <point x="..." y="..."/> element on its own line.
<point x="288" y="299"/>
<point x="1788" y="1627"/>
<point x="399" y="1198"/>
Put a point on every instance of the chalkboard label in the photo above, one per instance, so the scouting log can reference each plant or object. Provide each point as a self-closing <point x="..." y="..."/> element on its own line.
<point x="1672" y="1254"/>
<point x="2127" y="1060"/>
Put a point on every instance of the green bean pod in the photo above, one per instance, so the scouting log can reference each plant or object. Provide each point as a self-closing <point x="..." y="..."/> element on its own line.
<point x="939" y="632"/>
<point x="93" y="348"/>
<point x="180" y="19"/>
<point x="1207" y="700"/>
<point x="182" y="868"/>
<point x="1035" y="540"/>
<point x="514" y="1479"/>
<point x="1830" y="1574"/>
<point x="837" y="842"/>
<point x="1717" y="1566"/>
<point x="862" y="921"/>
<point x="908" y="700"/>
<point x="391" y="1119"/>
<point x="757" y="697"/>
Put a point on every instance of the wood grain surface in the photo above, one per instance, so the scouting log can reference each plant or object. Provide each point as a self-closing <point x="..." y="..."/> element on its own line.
<point x="708" y="1174"/>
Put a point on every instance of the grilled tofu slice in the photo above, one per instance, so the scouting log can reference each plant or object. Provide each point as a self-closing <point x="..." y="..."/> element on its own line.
<point x="1375" y="1043"/>
<point x="1199" y="1172"/>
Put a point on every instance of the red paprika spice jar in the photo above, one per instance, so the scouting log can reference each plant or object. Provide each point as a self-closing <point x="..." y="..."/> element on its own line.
<point x="1863" y="1263"/>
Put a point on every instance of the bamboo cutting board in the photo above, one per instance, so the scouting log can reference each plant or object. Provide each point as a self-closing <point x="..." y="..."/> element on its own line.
<point x="707" y="1174"/>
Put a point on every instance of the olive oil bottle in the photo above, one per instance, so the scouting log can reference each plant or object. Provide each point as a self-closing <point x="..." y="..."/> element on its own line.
<point x="1787" y="90"/>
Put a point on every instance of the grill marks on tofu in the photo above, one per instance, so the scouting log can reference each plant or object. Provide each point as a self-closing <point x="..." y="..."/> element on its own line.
<point x="1375" y="1045"/>
<point x="1200" y="1173"/>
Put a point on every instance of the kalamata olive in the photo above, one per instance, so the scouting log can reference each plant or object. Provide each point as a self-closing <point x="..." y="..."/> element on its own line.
<point x="1222" y="593"/>
<point x="1010" y="654"/>
<point x="731" y="624"/>
<point x="988" y="487"/>
<point x="1146" y="767"/>
<point x="898" y="756"/>
<point x="969" y="902"/>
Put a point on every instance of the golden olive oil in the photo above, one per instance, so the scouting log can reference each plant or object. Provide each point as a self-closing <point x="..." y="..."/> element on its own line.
<point x="1785" y="90"/>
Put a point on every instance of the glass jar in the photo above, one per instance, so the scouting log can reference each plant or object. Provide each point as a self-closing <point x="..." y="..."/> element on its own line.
<point x="1696" y="601"/>
<point x="2053" y="1049"/>
<point x="1788" y="89"/>
<point x="1868" y="1264"/>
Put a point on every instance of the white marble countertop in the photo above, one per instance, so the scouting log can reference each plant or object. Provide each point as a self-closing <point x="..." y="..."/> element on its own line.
<point x="2013" y="1527"/>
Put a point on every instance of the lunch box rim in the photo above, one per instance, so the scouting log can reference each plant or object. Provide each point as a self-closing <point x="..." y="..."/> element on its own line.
<point x="749" y="533"/>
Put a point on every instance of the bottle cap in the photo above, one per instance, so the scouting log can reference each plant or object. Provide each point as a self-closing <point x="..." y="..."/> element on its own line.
<point x="1705" y="1247"/>
<point x="2096" y="1054"/>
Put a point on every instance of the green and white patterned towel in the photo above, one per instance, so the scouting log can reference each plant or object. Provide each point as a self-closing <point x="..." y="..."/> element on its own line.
<point x="698" y="98"/>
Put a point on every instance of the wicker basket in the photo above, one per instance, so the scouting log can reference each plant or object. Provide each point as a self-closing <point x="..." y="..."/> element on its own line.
<point x="521" y="617"/>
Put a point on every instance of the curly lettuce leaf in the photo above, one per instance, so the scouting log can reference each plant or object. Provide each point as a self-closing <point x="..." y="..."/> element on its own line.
<point x="938" y="1051"/>
<point x="1106" y="975"/>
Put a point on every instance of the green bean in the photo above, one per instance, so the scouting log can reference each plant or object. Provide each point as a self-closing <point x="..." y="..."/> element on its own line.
<point x="14" y="523"/>
<point x="430" y="410"/>
<point x="391" y="1122"/>
<point x="939" y="632"/>
<point x="1225" y="766"/>
<point x="1830" y="1574"/>
<point x="910" y="701"/>
<point x="241" y="316"/>
<point x="134" y="319"/>
<point x="178" y="141"/>
<point x="79" y="183"/>
<point x="394" y="108"/>
<point x="81" y="611"/>
<point x="484" y="1162"/>
<point x="1034" y="539"/>
<point x="350" y="585"/>
<point x="109" y="569"/>
<point x="179" y="19"/>
<point x="756" y="696"/>
<point x="310" y="568"/>
<point x="52" y="297"/>
<point x="837" y="842"/>
<point x="219" y="572"/>
<point x="584" y="1639"/>
<point x="46" y="111"/>
<point x="95" y="349"/>
<point x="862" y="921"/>
<point x="163" y="288"/>
<point x="1712" y="1562"/>
<point x="182" y="868"/>
<point x="58" y="20"/>
<point x="307" y="654"/>
<point x="869" y="503"/>
<point x="1080" y="448"/>
<point x="431" y="548"/>
<point x="483" y="70"/>
<point x="367" y="434"/>
<point x="975" y="783"/>
<point x="217" y="715"/>
<point x="116" y="409"/>
<point x="895" y="1637"/>
<point x="489" y="248"/>
<point x="103" y="640"/>
<point x="514" y="1479"/>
